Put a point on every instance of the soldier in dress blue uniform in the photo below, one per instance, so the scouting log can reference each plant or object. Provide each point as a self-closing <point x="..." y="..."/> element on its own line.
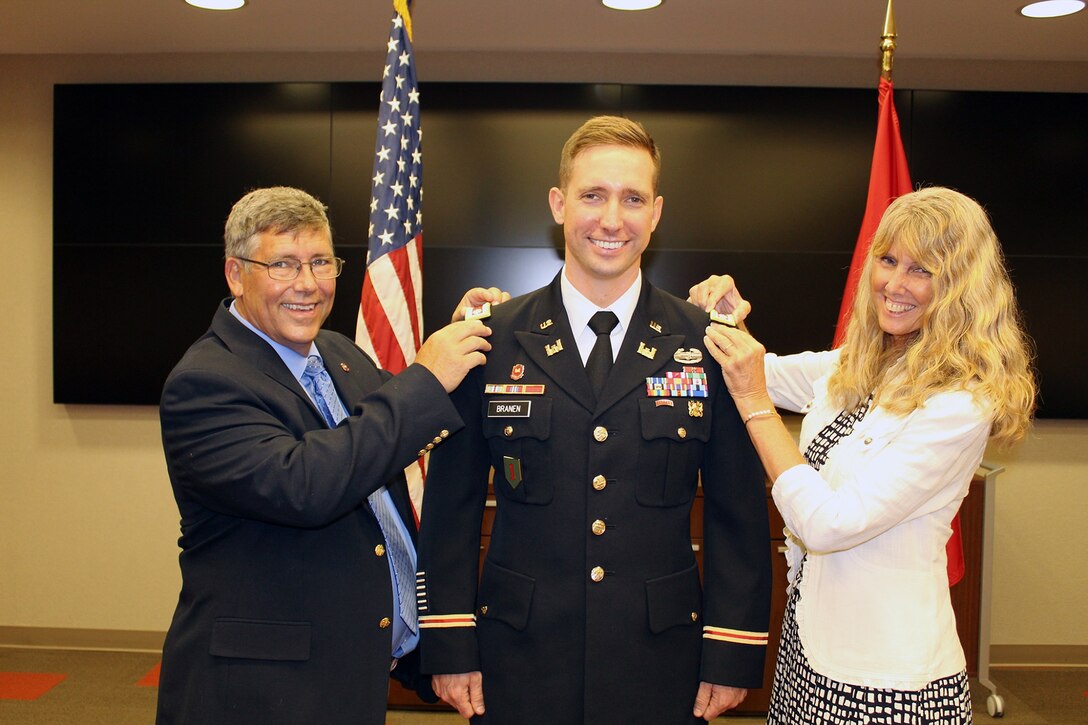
<point x="589" y="607"/>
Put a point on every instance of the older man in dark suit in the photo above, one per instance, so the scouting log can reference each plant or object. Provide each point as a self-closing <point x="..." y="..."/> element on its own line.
<point x="285" y="447"/>
<point x="598" y="410"/>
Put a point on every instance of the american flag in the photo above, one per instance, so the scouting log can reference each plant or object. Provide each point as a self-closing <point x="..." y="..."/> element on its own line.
<point x="390" y="325"/>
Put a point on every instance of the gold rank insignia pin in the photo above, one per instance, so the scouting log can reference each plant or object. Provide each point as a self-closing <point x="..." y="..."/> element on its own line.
<point x="545" y="324"/>
<point x="655" y="326"/>
<point x="695" y="408"/>
<point x="647" y="352"/>
<point x="553" y="349"/>
<point x="344" y="367"/>
<point x="723" y="318"/>
<point x="688" y="357"/>
<point x="478" y="313"/>
<point x="517" y="372"/>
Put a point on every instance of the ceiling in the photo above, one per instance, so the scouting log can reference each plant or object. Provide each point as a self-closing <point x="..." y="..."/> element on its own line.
<point x="580" y="39"/>
<point x="930" y="29"/>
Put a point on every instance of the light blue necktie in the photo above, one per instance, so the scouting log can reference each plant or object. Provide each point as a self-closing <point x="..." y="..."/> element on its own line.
<point x="319" y="384"/>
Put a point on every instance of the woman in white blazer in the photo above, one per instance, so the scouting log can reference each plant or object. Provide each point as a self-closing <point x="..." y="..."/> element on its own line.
<point x="896" y="422"/>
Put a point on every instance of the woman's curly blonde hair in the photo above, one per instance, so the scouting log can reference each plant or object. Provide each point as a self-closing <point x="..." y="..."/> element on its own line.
<point x="971" y="336"/>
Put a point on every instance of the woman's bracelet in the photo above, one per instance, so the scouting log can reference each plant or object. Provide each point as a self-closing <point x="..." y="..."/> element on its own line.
<point x="760" y="414"/>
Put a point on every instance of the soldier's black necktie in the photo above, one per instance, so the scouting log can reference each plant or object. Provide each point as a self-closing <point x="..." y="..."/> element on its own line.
<point x="600" y="357"/>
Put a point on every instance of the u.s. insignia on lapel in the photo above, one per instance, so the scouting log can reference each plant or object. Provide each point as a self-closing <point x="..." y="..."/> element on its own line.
<point x="688" y="357"/>
<point x="647" y="352"/>
<point x="655" y="326"/>
<point x="517" y="372"/>
<point x="695" y="408"/>
<point x="553" y="349"/>
<point x="545" y="324"/>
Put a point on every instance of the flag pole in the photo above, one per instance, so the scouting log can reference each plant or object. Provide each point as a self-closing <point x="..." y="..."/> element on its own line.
<point x="956" y="565"/>
<point x="888" y="176"/>
<point x="887" y="44"/>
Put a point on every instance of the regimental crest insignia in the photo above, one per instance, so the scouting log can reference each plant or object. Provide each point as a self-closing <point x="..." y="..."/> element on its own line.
<point x="517" y="372"/>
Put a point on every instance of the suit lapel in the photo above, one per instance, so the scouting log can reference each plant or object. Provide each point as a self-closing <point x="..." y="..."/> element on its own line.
<point x="645" y="349"/>
<point x="550" y="344"/>
<point x="244" y="343"/>
<point x="351" y="381"/>
<point x="353" y="378"/>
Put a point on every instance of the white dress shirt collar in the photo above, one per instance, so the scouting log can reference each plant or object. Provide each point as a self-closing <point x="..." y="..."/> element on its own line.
<point x="580" y="309"/>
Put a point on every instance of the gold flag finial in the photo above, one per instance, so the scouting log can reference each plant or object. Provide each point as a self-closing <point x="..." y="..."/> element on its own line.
<point x="887" y="44"/>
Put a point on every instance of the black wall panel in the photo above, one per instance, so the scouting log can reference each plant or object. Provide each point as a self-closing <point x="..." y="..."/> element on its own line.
<point x="767" y="184"/>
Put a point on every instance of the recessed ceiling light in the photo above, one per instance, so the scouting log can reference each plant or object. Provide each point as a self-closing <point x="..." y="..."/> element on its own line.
<point x="630" y="4"/>
<point x="217" y="4"/>
<point x="1052" y="8"/>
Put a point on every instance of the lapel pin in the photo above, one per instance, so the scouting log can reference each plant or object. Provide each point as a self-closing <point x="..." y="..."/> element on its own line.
<point x="647" y="352"/>
<point x="656" y="327"/>
<point x="545" y="324"/>
<point x="344" y="367"/>
<point x="553" y="349"/>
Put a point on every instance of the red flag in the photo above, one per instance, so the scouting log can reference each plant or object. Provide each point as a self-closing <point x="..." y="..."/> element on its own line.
<point x="888" y="179"/>
<point x="390" y="325"/>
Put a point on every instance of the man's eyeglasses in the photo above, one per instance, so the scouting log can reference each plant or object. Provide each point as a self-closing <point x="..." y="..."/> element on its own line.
<point x="285" y="270"/>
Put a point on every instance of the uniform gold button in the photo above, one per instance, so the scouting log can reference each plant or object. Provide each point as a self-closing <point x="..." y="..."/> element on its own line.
<point x="600" y="434"/>
<point x="421" y="453"/>
<point x="445" y="433"/>
<point x="483" y="610"/>
<point x="384" y="624"/>
<point x="379" y="550"/>
<point x="867" y="441"/>
<point x="682" y="432"/>
<point x="508" y="431"/>
<point x="598" y="527"/>
<point x="599" y="482"/>
<point x="437" y="440"/>
<point x="596" y="574"/>
<point x="694" y="616"/>
<point x="429" y="447"/>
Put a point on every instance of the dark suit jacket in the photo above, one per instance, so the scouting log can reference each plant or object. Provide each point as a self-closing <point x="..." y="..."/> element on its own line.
<point x="583" y="485"/>
<point x="283" y="593"/>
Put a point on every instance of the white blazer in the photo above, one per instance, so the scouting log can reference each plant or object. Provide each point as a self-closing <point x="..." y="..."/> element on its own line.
<point x="874" y="521"/>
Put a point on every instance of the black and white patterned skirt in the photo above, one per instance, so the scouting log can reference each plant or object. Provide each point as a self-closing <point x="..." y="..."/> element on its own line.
<point x="800" y="696"/>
